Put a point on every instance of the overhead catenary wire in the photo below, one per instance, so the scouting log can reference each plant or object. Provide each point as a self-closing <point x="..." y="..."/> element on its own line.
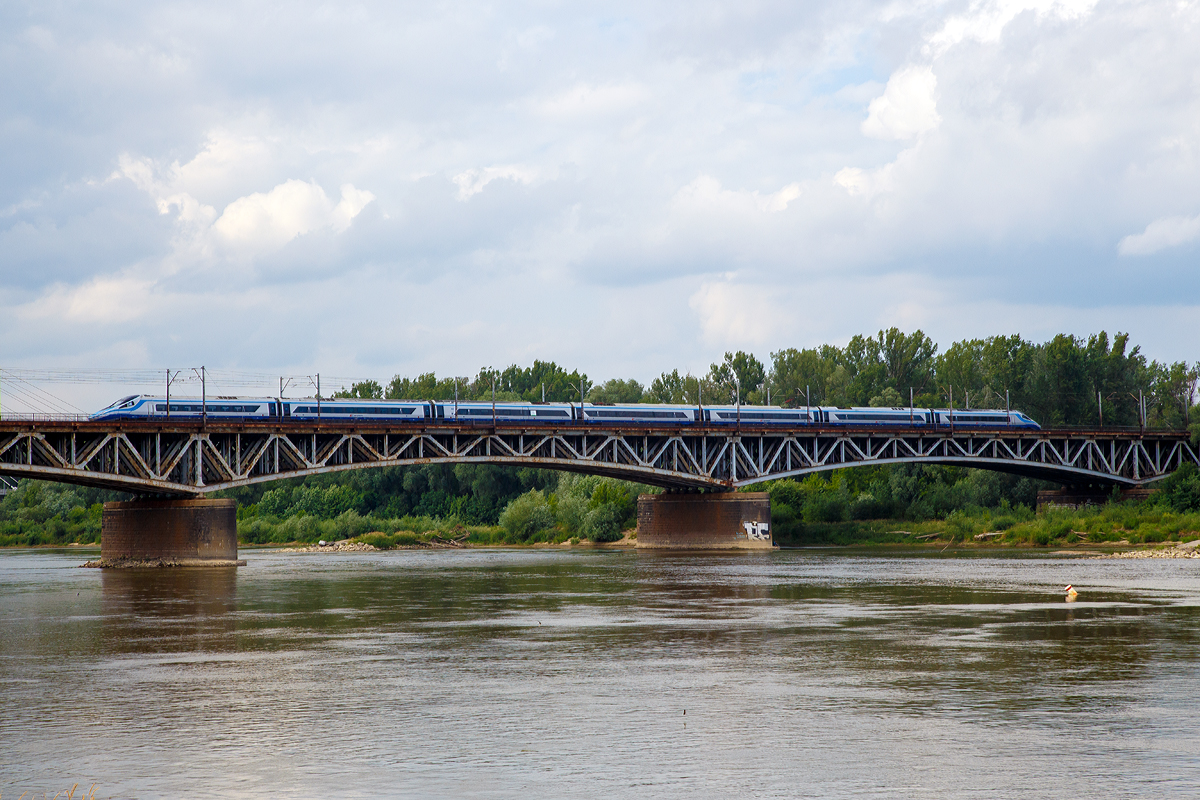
<point x="39" y="399"/>
<point x="154" y="377"/>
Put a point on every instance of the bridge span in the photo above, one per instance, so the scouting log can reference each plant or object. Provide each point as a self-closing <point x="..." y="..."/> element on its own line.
<point x="187" y="459"/>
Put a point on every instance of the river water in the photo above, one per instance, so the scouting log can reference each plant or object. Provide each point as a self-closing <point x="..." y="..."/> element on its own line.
<point x="611" y="674"/>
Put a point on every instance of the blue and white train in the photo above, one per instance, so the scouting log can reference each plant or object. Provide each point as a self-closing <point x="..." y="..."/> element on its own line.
<point x="267" y="409"/>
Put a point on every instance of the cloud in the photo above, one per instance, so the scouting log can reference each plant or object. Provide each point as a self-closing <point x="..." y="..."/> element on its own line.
<point x="986" y="20"/>
<point x="1161" y="234"/>
<point x="907" y="107"/>
<point x="838" y="160"/>
<point x="585" y="100"/>
<point x="705" y="193"/>
<point x="262" y="222"/>
<point x="866" y="183"/>
<point x="734" y="315"/>
<point x="473" y="181"/>
<point x="104" y="300"/>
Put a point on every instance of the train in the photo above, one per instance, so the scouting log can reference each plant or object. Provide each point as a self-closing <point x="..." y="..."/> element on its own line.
<point x="268" y="409"/>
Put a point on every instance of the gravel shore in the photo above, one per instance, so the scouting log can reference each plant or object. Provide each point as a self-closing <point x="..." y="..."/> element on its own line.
<point x="332" y="547"/>
<point x="1187" y="550"/>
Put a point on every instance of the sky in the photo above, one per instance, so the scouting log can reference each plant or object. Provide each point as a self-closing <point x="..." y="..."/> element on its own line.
<point x="371" y="189"/>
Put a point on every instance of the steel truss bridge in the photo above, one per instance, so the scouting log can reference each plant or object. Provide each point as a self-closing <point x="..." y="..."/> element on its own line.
<point x="154" y="458"/>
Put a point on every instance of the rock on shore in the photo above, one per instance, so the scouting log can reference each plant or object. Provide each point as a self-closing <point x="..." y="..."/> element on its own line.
<point x="1188" y="550"/>
<point x="332" y="547"/>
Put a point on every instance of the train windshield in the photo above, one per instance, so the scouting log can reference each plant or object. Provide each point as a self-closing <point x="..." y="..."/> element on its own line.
<point x="122" y="401"/>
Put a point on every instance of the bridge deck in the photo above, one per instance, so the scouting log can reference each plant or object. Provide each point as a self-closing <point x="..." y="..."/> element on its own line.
<point x="189" y="458"/>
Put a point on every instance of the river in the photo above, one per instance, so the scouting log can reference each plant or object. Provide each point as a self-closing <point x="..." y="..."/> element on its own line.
<point x="498" y="673"/>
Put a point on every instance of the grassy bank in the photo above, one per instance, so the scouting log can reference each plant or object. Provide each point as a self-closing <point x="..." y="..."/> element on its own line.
<point x="389" y="533"/>
<point x="1125" y="523"/>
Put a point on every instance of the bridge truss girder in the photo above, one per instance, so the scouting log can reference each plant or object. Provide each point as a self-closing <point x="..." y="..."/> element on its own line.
<point x="162" y="460"/>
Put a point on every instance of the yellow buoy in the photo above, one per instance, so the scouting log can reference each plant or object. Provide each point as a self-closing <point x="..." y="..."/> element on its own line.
<point x="1071" y="593"/>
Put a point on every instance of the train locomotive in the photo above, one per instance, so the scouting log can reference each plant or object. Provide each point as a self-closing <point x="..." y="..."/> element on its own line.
<point x="270" y="409"/>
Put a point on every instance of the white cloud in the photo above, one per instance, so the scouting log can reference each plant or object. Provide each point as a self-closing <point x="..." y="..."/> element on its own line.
<point x="1161" y="234"/>
<point x="734" y="315"/>
<point x="472" y="181"/>
<point x="103" y="300"/>
<point x="986" y="20"/>
<point x="866" y="183"/>
<point x="585" y="100"/>
<point x="907" y="107"/>
<point x="705" y="194"/>
<point x="262" y="222"/>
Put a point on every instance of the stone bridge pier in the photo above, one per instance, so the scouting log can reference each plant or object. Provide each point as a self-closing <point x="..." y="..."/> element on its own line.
<point x="713" y="521"/>
<point x="169" y="533"/>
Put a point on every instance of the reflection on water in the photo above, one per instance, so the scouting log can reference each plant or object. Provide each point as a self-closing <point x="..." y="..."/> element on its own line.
<point x="168" y="610"/>
<point x="493" y="673"/>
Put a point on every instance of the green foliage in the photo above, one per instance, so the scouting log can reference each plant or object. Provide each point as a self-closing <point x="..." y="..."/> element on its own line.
<point x="366" y="390"/>
<point x="616" y="392"/>
<point x="39" y="513"/>
<point x="603" y="523"/>
<point x="738" y="372"/>
<point x="1180" y="491"/>
<point x="888" y="398"/>
<point x="527" y="515"/>
<point x="671" y="387"/>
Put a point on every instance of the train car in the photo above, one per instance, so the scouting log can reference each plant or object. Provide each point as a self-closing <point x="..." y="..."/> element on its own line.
<point x="927" y="417"/>
<point x="641" y="413"/>
<point x="861" y="416"/>
<point x="871" y="416"/>
<point x="485" y="413"/>
<point x="982" y="418"/>
<point x="345" y="410"/>
<point x="140" y="406"/>
<point x="760" y="415"/>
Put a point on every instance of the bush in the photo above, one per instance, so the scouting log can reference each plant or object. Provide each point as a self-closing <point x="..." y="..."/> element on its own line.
<point x="825" y="507"/>
<point x="1180" y="490"/>
<point x="604" y="523"/>
<point x="572" y="513"/>
<point x="527" y="515"/>
<point x="386" y="541"/>
<point x="865" y="506"/>
<point x="960" y="527"/>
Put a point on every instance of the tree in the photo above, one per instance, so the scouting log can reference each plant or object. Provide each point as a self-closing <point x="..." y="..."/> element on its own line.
<point x="801" y="376"/>
<point x="426" y="387"/>
<point x="616" y="391"/>
<point x="1005" y="364"/>
<point x="908" y="360"/>
<point x="960" y="371"/>
<point x="367" y="390"/>
<point x="735" y="377"/>
<point x="673" y="388"/>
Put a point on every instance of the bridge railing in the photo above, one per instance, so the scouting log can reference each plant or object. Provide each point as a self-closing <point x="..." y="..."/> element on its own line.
<point x="8" y="417"/>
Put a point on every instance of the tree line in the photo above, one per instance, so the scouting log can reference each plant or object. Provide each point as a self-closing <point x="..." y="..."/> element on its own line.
<point x="1068" y="380"/>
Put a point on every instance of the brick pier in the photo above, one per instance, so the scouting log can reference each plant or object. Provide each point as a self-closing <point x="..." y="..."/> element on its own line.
<point x="726" y="521"/>
<point x="169" y="533"/>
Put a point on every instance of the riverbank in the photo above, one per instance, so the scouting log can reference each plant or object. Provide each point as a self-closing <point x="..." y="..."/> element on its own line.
<point x="1114" y="524"/>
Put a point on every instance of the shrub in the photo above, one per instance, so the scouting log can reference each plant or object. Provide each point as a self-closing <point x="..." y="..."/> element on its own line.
<point x="603" y="524"/>
<point x="960" y="526"/>
<point x="825" y="507"/>
<point x="865" y="506"/>
<point x="527" y="515"/>
<point x="572" y="513"/>
<point x="386" y="541"/>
